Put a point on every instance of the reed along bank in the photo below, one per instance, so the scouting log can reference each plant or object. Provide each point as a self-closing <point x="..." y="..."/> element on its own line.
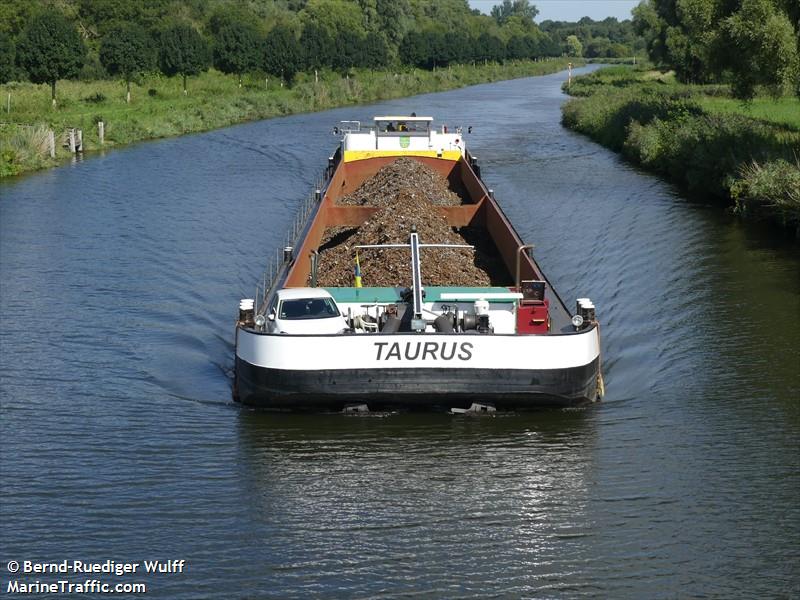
<point x="746" y="155"/>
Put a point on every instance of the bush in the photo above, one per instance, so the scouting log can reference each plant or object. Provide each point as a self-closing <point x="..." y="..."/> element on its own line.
<point x="92" y="69"/>
<point x="95" y="98"/>
<point x="8" y="163"/>
<point x="771" y="189"/>
<point x="726" y="155"/>
<point x="605" y="117"/>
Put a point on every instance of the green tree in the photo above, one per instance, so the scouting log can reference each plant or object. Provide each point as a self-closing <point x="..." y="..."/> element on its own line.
<point x="183" y="51"/>
<point x="237" y="47"/>
<point x="509" y="8"/>
<point x="455" y="47"/>
<point x="333" y="15"/>
<point x="691" y="39"/>
<point x="649" y="25"/>
<point x="369" y="15"/>
<point x="597" y="48"/>
<point x="99" y="17"/>
<point x="517" y="48"/>
<point x="489" y="47"/>
<point x="448" y="15"/>
<point x="7" y="56"/>
<point x="748" y="43"/>
<point x="600" y="37"/>
<point x="415" y="49"/>
<point x="438" y="54"/>
<point x="550" y="46"/>
<point x="14" y="15"/>
<point x="760" y="47"/>
<point x="573" y="46"/>
<point x="533" y="43"/>
<point x="348" y="51"/>
<point x="317" y="47"/>
<point x="517" y="25"/>
<point x="283" y="56"/>
<point x="50" y="49"/>
<point x="128" y="51"/>
<point x="375" y="51"/>
<point x="395" y="19"/>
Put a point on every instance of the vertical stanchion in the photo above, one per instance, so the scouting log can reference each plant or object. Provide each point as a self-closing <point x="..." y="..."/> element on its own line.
<point x="101" y="132"/>
<point x="51" y="142"/>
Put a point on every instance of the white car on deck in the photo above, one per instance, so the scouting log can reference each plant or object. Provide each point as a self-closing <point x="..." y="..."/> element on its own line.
<point x="304" y="311"/>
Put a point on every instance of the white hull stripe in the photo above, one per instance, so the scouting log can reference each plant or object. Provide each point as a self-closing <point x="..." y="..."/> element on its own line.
<point x="409" y="351"/>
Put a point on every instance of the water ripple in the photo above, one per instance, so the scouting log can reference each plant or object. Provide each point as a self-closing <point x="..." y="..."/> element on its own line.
<point x="120" y="278"/>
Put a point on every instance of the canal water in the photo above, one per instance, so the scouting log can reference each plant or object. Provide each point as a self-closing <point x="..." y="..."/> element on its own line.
<point x="120" y="279"/>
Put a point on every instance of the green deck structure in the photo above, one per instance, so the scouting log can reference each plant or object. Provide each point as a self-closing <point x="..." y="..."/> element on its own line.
<point x="383" y="295"/>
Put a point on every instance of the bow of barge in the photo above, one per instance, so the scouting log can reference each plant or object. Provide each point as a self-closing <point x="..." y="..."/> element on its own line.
<point x="481" y="324"/>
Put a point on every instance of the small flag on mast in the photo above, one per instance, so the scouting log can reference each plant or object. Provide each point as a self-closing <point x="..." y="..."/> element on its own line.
<point x="358" y="272"/>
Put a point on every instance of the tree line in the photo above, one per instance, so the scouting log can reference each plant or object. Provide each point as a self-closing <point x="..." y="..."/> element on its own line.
<point x="746" y="43"/>
<point x="64" y="39"/>
<point x="609" y="38"/>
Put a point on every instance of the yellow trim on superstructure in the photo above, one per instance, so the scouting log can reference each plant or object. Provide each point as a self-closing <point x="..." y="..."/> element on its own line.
<point x="353" y="155"/>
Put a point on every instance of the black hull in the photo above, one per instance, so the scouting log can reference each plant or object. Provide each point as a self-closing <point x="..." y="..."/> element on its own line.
<point x="427" y="389"/>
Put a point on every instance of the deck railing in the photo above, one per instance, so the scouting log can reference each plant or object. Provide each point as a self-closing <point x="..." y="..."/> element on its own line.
<point x="278" y="266"/>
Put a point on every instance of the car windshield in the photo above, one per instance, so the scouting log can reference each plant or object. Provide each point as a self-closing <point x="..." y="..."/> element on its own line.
<point x="308" y="308"/>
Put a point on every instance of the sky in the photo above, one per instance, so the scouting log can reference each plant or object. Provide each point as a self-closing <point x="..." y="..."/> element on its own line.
<point x="570" y="10"/>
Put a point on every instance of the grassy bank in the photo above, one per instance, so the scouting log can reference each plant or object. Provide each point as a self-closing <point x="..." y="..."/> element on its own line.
<point x="160" y="109"/>
<point x="748" y="155"/>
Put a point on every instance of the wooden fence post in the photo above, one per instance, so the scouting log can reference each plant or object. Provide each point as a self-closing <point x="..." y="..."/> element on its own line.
<point x="51" y="142"/>
<point x="79" y="144"/>
<point x="101" y="132"/>
<point x="72" y="141"/>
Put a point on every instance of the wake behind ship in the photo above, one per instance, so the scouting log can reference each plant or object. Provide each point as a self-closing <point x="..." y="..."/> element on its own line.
<point x="403" y="285"/>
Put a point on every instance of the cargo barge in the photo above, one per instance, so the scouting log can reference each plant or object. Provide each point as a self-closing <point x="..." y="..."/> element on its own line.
<point x="469" y="322"/>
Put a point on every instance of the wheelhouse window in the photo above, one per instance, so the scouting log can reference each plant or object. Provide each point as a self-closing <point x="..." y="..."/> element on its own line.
<point x="308" y="308"/>
<point x="401" y="126"/>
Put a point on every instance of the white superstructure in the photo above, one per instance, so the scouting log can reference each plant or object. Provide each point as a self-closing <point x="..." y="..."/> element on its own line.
<point x="391" y="135"/>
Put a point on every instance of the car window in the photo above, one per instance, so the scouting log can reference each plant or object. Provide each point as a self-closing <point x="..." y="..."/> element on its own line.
<point x="308" y="308"/>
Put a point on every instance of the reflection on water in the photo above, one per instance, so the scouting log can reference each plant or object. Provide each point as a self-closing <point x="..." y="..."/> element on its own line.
<point x="424" y="489"/>
<point x="119" y="281"/>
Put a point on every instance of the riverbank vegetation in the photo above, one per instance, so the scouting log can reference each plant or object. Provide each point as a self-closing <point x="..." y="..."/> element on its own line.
<point x="159" y="108"/>
<point x="721" y="115"/>
<point x="698" y="136"/>
<point x="166" y="67"/>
